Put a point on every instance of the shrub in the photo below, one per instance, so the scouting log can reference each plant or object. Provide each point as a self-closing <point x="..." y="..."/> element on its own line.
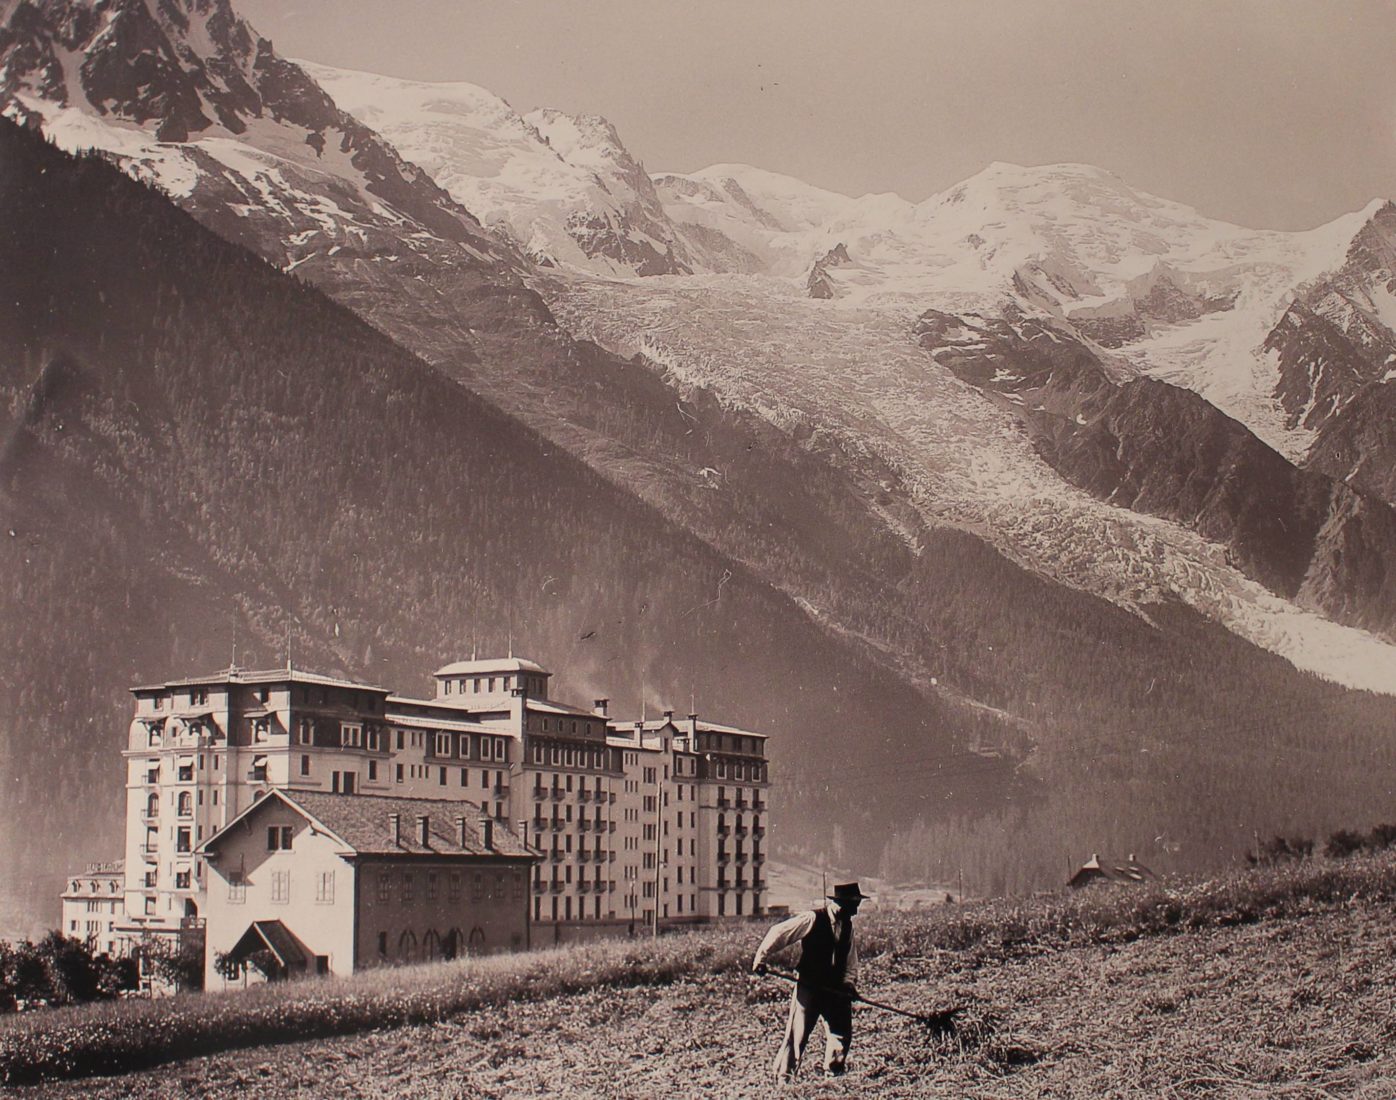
<point x="1344" y="843"/>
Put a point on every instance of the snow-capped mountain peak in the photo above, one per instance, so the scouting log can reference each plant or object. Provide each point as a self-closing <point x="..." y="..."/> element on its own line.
<point x="562" y="186"/>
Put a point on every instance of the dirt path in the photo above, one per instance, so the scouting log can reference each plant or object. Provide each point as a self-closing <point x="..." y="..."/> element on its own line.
<point x="1297" y="1008"/>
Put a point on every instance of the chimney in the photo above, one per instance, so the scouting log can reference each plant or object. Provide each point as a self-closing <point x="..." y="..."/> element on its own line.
<point x="693" y="729"/>
<point x="395" y="825"/>
<point x="423" y="829"/>
<point x="487" y="833"/>
<point x="598" y="707"/>
<point x="668" y="716"/>
<point x="460" y="831"/>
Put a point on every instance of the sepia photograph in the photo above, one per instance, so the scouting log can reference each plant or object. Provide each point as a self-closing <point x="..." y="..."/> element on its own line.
<point x="738" y="548"/>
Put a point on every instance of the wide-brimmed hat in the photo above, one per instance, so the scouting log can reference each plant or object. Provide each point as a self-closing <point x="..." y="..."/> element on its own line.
<point x="848" y="891"/>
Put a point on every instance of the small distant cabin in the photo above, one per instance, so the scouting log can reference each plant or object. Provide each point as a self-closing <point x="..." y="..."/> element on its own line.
<point x="1111" y="872"/>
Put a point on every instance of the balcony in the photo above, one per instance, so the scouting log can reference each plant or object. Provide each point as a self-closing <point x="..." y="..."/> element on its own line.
<point x="740" y="803"/>
<point x="724" y="803"/>
<point x="599" y="856"/>
<point x="583" y="795"/>
<point x="758" y="884"/>
<point x="584" y="825"/>
<point x="611" y="857"/>
<point x="584" y="886"/>
<point x="758" y="804"/>
<point x="501" y="789"/>
<point x="257" y="775"/>
<point x="723" y="858"/>
<point x="539" y="824"/>
<point x="540" y="793"/>
<point x="558" y="794"/>
<point x="613" y="827"/>
<point x="540" y="887"/>
<point x="150" y="851"/>
<point x="583" y="856"/>
<point x="741" y="857"/>
<point x="556" y="886"/>
<point x="758" y="831"/>
<point x="557" y="855"/>
<point x="723" y="830"/>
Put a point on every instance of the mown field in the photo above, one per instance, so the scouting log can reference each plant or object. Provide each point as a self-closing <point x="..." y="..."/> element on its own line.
<point x="1271" y="983"/>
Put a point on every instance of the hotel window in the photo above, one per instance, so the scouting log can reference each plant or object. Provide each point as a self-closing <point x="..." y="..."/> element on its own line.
<point x="477" y="886"/>
<point x="150" y="907"/>
<point x="182" y="880"/>
<point x="186" y="804"/>
<point x="152" y="738"/>
<point x="385" y="886"/>
<point x="280" y="887"/>
<point x="443" y="744"/>
<point x="399" y="773"/>
<point x="399" y="740"/>
<point x="279" y="838"/>
<point x="454" y="886"/>
<point x="406" y="887"/>
<point x="198" y="696"/>
<point x="324" y="888"/>
<point x="431" y="885"/>
<point x="441" y="777"/>
<point x="186" y="770"/>
<point x="373" y="770"/>
<point x="351" y="735"/>
<point x="183" y="840"/>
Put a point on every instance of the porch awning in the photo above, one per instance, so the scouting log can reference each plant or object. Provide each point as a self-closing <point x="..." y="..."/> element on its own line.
<point x="273" y="936"/>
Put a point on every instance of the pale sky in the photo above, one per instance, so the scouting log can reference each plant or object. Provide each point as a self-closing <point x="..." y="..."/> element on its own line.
<point x="1270" y="113"/>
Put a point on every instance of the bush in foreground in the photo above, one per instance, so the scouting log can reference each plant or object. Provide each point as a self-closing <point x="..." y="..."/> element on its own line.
<point x="129" y="1035"/>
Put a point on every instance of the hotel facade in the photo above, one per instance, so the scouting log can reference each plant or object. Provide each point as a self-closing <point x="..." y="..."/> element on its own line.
<point x="635" y="825"/>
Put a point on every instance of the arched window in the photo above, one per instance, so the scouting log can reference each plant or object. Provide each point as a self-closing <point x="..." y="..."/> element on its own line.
<point x="152" y="804"/>
<point x="477" y="941"/>
<point x="455" y="943"/>
<point x="186" y="803"/>
<point x="431" y="946"/>
<point x="407" y="947"/>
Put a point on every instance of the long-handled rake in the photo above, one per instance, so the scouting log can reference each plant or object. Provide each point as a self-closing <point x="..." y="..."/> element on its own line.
<point x="942" y="1022"/>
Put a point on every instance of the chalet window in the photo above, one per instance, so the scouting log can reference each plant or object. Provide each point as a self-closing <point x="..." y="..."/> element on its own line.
<point x="280" y="887"/>
<point x="324" y="888"/>
<point x="158" y="702"/>
<point x="278" y="838"/>
<point x="198" y="696"/>
<point x="237" y="888"/>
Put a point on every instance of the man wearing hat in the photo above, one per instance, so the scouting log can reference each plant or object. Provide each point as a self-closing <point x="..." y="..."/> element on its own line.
<point x="827" y="965"/>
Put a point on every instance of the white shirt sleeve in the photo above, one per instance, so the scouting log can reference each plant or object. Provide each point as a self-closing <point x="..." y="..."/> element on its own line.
<point x="783" y="935"/>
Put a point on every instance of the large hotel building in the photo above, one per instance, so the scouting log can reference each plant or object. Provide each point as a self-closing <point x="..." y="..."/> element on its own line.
<point x="632" y="824"/>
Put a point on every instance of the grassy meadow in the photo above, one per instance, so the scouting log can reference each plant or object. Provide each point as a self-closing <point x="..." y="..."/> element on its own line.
<point x="1139" y="992"/>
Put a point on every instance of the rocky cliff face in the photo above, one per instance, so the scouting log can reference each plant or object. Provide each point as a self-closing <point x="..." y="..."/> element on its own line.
<point x="820" y="283"/>
<point x="187" y="96"/>
<point x="1164" y="451"/>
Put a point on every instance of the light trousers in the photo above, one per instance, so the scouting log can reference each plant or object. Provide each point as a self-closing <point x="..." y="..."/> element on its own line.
<point x="807" y="1007"/>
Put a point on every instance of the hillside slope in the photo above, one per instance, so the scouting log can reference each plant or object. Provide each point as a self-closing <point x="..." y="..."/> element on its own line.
<point x="1271" y="1000"/>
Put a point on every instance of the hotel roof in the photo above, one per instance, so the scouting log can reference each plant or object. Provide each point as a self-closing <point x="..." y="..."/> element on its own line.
<point x="263" y="676"/>
<point x="361" y="822"/>
<point x="491" y="664"/>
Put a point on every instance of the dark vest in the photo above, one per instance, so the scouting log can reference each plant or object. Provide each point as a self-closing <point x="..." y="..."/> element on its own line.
<point x="824" y="957"/>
